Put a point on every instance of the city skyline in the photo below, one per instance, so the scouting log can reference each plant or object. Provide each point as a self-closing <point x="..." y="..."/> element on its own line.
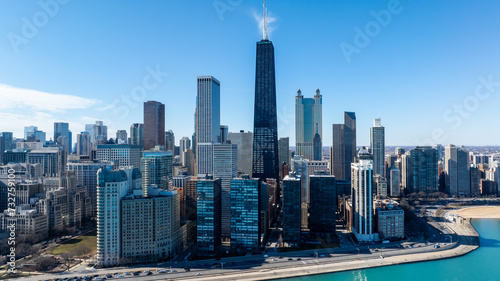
<point x="442" y="78"/>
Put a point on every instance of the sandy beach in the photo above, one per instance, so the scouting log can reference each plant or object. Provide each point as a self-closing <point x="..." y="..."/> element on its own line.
<point x="482" y="212"/>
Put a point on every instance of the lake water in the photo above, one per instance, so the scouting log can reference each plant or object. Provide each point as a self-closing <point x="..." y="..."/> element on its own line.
<point x="480" y="265"/>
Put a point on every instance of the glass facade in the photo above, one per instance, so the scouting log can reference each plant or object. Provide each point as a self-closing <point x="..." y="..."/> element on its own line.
<point x="323" y="203"/>
<point x="208" y="204"/>
<point x="245" y="210"/>
<point x="291" y="209"/>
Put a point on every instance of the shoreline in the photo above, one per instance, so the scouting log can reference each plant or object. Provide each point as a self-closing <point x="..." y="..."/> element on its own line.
<point x="478" y="212"/>
<point x="468" y="242"/>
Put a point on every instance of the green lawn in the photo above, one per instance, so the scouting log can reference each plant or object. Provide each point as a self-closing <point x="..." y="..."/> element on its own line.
<point x="90" y="240"/>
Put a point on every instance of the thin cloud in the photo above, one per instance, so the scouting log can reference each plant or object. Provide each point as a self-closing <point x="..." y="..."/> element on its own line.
<point x="259" y="18"/>
<point x="19" y="98"/>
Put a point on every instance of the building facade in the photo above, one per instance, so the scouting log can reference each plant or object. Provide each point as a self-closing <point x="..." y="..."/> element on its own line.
<point x="308" y="122"/>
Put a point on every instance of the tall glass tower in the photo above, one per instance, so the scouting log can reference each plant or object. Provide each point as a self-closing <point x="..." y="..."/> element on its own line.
<point x="308" y="115"/>
<point x="265" y="141"/>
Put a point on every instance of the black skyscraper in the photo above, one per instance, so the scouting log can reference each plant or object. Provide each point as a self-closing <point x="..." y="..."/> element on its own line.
<point x="265" y="162"/>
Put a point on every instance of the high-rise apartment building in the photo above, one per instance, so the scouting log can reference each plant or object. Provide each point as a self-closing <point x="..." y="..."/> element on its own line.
<point x="291" y="209"/>
<point x="377" y="146"/>
<point x="156" y="168"/>
<point x="343" y="150"/>
<point x="122" y="154"/>
<point x="208" y="214"/>
<point x="184" y="144"/>
<point x="207" y="122"/>
<point x="322" y="202"/>
<point x="170" y="140"/>
<point x="84" y="144"/>
<point x="99" y="134"/>
<point x="62" y="135"/>
<point x="245" y="212"/>
<point x="457" y="170"/>
<point x="308" y="122"/>
<point x="421" y="169"/>
<point x="362" y="197"/>
<point x="121" y="137"/>
<point x="112" y="187"/>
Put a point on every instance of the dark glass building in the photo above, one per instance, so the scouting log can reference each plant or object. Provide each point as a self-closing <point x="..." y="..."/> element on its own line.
<point x="208" y="205"/>
<point x="322" y="202"/>
<point x="291" y="209"/>
<point x="154" y="124"/>
<point x="343" y="150"/>
<point x="265" y="162"/>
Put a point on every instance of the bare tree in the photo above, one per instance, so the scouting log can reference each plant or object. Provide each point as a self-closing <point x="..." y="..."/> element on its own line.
<point x="67" y="258"/>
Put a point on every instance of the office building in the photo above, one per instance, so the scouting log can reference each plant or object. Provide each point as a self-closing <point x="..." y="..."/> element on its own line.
<point x="377" y="146"/>
<point x="137" y="134"/>
<point x="121" y="137"/>
<point x="62" y="136"/>
<point x="156" y="168"/>
<point x="32" y="134"/>
<point x="122" y="154"/>
<point x="308" y="122"/>
<point x="207" y="122"/>
<point x="190" y="201"/>
<point x="457" y="170"/>
<point x="154" y="124"/>
<point x="112" y="187"/>
<point x="244" y="141"/>
<point x="225" y="168"/>
<point x="394" y="177"/>
<point x="84" y="144"/>
<point x="265" y="136"/>
<point x="99" y="134"/>
<point x="224" y="131"/>
<point x="8" y="140"/>
<point x="28" y="222"/>
<point x="291" y="211"/>
<point x="381" y="184"/>
<point x="53" y="160"/>
<point x="343" y="150"/>
<point x="323" y="202"/>
<point x="362" y="198"/>
<point x="245" y="212"/>
<point x="208" y="214"/>
<point x="184" y="144"/>
<point x="170" y="141"/>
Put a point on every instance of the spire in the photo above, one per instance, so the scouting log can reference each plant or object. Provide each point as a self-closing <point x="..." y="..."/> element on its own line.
<point x="264" y="31"/>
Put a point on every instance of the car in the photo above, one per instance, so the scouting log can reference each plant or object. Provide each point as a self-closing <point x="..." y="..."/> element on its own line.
<point x="266" y="256"/>
<point x="149" y="273"/>
<point x="187" y="269"/>
<point x="173" y="270"/>
<point x="109" y="276"/>
<point x="280" y="257"/>
<point x="213" y="266"/>
<point x="137" y="273"/>
<point x="299" y="259"/>
<point x="290" y="259"/>
<point x="198" y="274"/>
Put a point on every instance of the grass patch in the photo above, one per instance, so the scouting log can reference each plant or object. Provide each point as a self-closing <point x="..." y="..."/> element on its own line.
<point x="89" y="240"/>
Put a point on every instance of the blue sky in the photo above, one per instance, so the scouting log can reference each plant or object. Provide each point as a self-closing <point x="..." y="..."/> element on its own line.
<point x="429" y="71"/>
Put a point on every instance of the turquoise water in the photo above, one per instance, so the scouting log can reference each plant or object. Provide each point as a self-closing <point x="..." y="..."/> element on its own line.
<point x="480" y="265"/>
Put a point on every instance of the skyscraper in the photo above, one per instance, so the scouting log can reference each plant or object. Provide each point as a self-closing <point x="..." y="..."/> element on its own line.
<point x="99" y="134"/>
<point x="208" y="205"/>
<point x="225" y="168"/>
<point x="244" y="142"/>
<point x="245" y="210"/>
<point x="137" y="134"/>
<point x="377" y="145"/>
<point x="291" y="209"/>
<point x="323" y="202"/>
<point x="343" y="149"/>
<point x="154" y="124"/>
<point x="83" y="144"/>
<point x="308" y="122"/>
<point x="421" y="170"/>
<point x="121" y="137"/>
<point x="170" y="140"/>
<point x="362" y="197"/>
<point x="156" y="168"/>
<point x="122" y="154"/>
<point x="265" y="138"/>
<point x="61" y="130"/>
<point x="184" y="144"/>
<point x="457" y="170"/>
<point x="207" y="122"/>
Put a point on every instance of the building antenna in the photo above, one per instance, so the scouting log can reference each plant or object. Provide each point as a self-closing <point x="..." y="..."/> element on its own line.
<point x="264" y="31"/>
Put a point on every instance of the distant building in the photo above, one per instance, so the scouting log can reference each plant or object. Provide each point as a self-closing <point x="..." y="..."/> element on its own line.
<point x="420" y="170"/>
<point x="99" y="133"/>
<point x="343" y="150"/>
<point x="122" y="154"/>
<point x="377" y="146"/>
<point x="137" y="134"/>
<point x="84" y="144"/>
<point x="62" y="135"/>
<point x="184" y="144"/>
<point x="32" y="134"/>
<point x="457" y="170"/>
<point x="381" y="184"/>
<point x="156" y="168"/>
<point x="190" y="201"/>
<point x="394" y="183"/>
<point x="27" y="222"/>
<point x="245" y="211"/>
<point x="390" y="222"/>
<point x="170" y="141"/>
<point x="308" y="122"/>
<point x="244" y="142"/>
<point x="154" y="124"/>
<point x="121" y="137"/>
<point x="53" y="160"/>
<point x="291" y="209"/>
